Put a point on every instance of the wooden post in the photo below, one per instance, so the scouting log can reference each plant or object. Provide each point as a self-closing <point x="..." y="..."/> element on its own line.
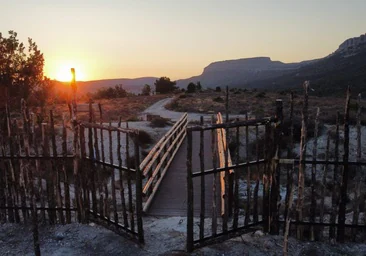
<point x="275" y="172"/>
<point x="202" y="166"/>
<point x="236" y="178"/>
<point x="335" y="197"/>
<point x="189" y="193"/>
<point x="359" y="175"/>
<point x="289" y="156"/>
<point x="301" y="176"/>
<point x="76" y="162"/>
<point x="84" y="177"/>
<point x="247" y="208"/>
<point x="49" y="180"/>
<point x="256" y="188"/>
<point x="122" y="189"/>
<point x="39" y="172"/>
<point x="129" y="178"/>
<point x="91" y="173"/>
<point x="56" y="176"/>
<point x="343" y="199"/>
<point x="113" y="178"/>
<point x="324" y="180"/>
<point x="313" y="176"/>
<point x="288" y="216"/>
<point x="139" y="212"/>
<point x="64" y="170"/>
<point x="214" y="184"/>
<point x="266" y="178"/>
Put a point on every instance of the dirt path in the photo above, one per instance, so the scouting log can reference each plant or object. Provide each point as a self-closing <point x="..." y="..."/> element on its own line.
<point x="159" y="109"/>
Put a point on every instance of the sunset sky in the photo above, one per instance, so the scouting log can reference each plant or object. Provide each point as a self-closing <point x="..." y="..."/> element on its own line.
<point x="128" y="39"/>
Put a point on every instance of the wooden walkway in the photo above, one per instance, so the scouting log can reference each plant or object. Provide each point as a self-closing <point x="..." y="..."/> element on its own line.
<point x="171" y="199"/>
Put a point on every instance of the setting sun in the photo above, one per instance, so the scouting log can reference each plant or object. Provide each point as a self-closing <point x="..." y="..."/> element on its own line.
<point x="61" y="71"/>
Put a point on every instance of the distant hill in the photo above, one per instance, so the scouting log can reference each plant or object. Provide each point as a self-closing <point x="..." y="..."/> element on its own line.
<point x="242" y="71"/>
<point x="133" y="85"/>
<point x="330" y="75"/>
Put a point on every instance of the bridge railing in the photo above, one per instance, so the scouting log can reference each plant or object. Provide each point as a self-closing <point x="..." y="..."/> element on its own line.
<point x="224" y="161"/>
<point x="156" y="163"/>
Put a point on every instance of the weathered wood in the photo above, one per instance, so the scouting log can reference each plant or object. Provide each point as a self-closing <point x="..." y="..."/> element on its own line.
<point x="344" y="184"/>
<point x="30" y="181"/>
<point x="301" y="176"/>
<point x="258" y="174"/>
<point x="290" y="147"/>
<point x="91" y="172"/>
<point x="129" y="178"/>
<point x="76" y="163"/>
<point x="247" y="207"/>
<point x="266" y="180"/>
<point x="19" y="171"/>
<point x="202" y="167"/>
<point x="121" y="187"/>
<point x="139" y="212"/>
<point x="359" y="176"/>
<point x="39" y="172"/>
<point x="214" y="187"/>
<point x="113" y="176"/>
<point x="64" y="171"/>
<point x="236" y="179"/>
<point x="250" y="122"/>
<point x="275" y="171"/>
<point x="101" y="126"/>
<point x="49" y="176"/>
<point x="56" y="175"/>
<point x="324" y="180"/>
<point x="313" y="175"/>
<point x="288" y="216"/>
<point x="335" y="197"/>
<point x="84" y="177"/>
<point x="190" y="239"/>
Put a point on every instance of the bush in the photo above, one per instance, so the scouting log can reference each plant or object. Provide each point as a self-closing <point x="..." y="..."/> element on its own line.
<point x="159" y="122"/>
<point x="144" y="138"/>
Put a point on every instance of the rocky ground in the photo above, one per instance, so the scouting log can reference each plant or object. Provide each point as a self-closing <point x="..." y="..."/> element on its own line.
<point x="164" y="236"/>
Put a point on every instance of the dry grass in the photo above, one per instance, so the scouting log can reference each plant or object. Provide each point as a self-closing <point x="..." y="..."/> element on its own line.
<point x="260" y="104"/>
<point x="125" y="108"/>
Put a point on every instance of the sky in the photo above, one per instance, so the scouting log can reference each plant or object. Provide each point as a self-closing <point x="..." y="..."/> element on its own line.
<point x="129" y="39"/>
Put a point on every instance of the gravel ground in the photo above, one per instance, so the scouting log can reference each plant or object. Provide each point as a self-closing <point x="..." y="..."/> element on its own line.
<point x="164" y="236"/>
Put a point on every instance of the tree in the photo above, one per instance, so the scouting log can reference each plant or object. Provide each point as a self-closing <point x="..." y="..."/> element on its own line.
<point x="218" y="89"/>
<point x="191" y="88"/>
<point x="146" y="90"/>
<point x="164" y="85"/>
<point x="21" y="68"/>
<point x="198" y="86"/>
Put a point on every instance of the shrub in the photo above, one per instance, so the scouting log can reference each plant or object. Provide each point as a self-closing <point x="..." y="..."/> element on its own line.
<point x="159" y="122"/>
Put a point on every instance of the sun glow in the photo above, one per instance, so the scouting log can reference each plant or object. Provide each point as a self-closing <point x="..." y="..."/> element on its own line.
<point x="64" y="73"/>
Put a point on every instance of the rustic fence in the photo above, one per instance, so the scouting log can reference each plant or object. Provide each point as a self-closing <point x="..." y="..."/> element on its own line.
<point x="59" y="172"/>
<point x="274" y="183"/>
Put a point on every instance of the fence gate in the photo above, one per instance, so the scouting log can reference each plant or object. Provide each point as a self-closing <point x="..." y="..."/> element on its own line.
<point x="229" y="187"/>
<point x="60" y="172"/>
<point x="110" y="174"/>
